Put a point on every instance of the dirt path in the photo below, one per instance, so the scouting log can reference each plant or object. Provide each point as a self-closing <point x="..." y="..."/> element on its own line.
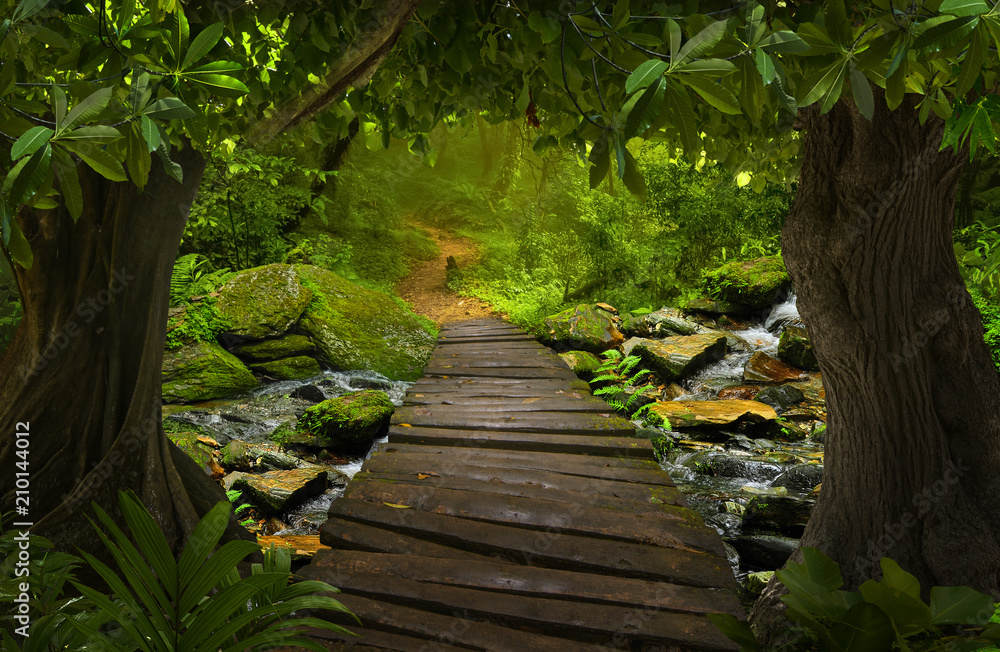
<point x="426" y="287"/>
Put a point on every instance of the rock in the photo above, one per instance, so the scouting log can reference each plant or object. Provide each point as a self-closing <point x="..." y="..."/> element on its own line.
<point x="294" y="368"/>
<point x="309" y="393"/>
<point x="733" y="341"/>
<point x="780" y="397"/>
<point x="694" y="414"/>
<point x="263" y="301"/>
<point x="350" y="422"/>
<point x="762" y="368"/>
<point x="250" y="420"/>
<point x="673" y="358"/>
<point x="795" y="348"/>
<point x="753" y="283"/>
<point x="756" y="582"/>
<point x="241" y="456"/>
<point x="673" y="392"/>
<point x="284" y="347"/>
<point x="201" y="453"/>
<point x="716" y="464"/>
<point x="801" y="477"/>
<point x="629" y="345"/>
<point x="777" y="514"/>
<point x="716" y="307"/>
<point x="584" y="327"/>
<point x="763" y="551"/>
<point x="812" y="387"/>
<point x="582" y="363"/>
<point x="364" y="382"/>
<point x="203" y="370"/>
<point x="633" y="325"/>
<point x="740" y="392"/>
<point x="357" y="328"/>
<point x="276" y="491"/>
<point x="665" y="322"/>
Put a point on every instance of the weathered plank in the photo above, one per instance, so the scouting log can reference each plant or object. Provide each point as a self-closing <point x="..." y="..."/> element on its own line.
<point x="525" y="441"/>
<point x="569" y="423"/>
<point x="508" y="372"/>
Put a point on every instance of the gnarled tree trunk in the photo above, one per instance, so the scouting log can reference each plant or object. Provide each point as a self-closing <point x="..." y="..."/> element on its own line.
<point x="912" y="466"/>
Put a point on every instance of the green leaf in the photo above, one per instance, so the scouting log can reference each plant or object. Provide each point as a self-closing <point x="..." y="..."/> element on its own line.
<point x="708" y="67"/>
<point x="18" y="247"/>
<point x="684" y="117"/>
<point x="714" y="93"/>
<point x="751" y="88"/>
<point x="645" y="110"/>
<point x="765" y="66"/>
<point x="895" y="86"/>
<point x="964" y="7"/>
<point x="674" y="31"/>
<point x="945" y="34"/>
<point x="69" y="182"/>
<point x="958" y="605"/>
<point x="632" y="177"/>
<point x="876" y="52"/>
<point x="30" y="142"/>
<point x="862" y="91"/>
<point x="645" y="74"/>
<point x="222" y="85"/>
<point x="27" y="9"/>
<point x="169" y="108"/>
<point x="736" y="630"/>
<point x="100" y="134"/>
<point x="28" y="175"/>
<point x="137" y="156"/>
<point x="521" y="103"/>
<point x="972" y="65"/>
<point x="88" y="108"/>
<point x="701" y="42"/>
<point x="150" y="133"/>
<point x="839" y="28"/>
<point x="137" y="95"/>
<point x="179" y="32"/>
<point x="784" y="42"/>
<point x="822" y="84"/>
<point x="215" y="66"/>
<point x="202" y="542"/>
<point x="98" y="159"/>
<point x="203" y="44"/>
<point x="909" y="614"/>
<point x="755" y="20"/>
<point x="864" y="628"/>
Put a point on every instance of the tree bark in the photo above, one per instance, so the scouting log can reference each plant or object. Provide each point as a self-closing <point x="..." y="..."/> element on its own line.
<point x="912" y="464"/>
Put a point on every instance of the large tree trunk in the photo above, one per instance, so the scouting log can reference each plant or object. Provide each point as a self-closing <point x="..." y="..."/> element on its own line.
<point x="84" y="367"/>
<point x="912" y="467"/>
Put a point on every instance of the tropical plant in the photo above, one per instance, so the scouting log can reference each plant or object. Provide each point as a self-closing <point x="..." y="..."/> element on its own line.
<point x="977" y="248"/>
<point x="234" y="495"/>
<point x="620" y="379"/>
<point x="882" y="616"/>
<point x="190" y="278"/>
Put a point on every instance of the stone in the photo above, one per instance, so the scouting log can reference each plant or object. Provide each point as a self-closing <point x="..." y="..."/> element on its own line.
<point x="753" y="283"/>
<point x="801" y="477"/>
<point x="309" y="393"/>
<point x="584" y="327"/>
<point x="785" y="515"/>
<point x="762" y="368"/>
<point x="668" y="321"/>
<point x="696" y="414"/>
<point x="766" y="552"/>
<point x="241" y="456"/>
<point x="795" y="348"/>
<point x="673" y="392"/>
<point x="629" y="345"/>
<point x="780" y="397"/>
<point x="350" y="422"/>
<point x="364" y="382"/>
<point x="756" y="582"/>
<point x="357" y="328"/>
<point x="582" y="363"/>
<point x="200" y="371"/>
<point x="263" y="301"/>
<point x="727" y="465"/>
<point x="275" y="491"/>
<point x="283" y="347"/>
<point x="673" y="358"/>
<point x="295" y="368"/>
<point x="740" y="392"/>
<point x="201" y="453"/>
<point x="716" y="307"/>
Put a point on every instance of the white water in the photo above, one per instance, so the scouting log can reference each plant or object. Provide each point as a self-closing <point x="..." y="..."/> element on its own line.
<point x="785" y="310"/>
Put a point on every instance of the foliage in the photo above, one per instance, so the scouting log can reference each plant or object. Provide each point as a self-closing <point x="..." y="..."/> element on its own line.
<point x="990" y="313"/>
<point x="882" y="615"/>
<point x="189" y="279"/>
<point x="321" y="251"/>
<point x="977" y="248"/>
<point x="200" y="321"/>
<point x="234" y="495"/>
<point x="619" y="375"/>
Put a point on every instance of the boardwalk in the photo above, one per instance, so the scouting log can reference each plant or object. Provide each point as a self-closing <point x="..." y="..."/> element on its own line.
<point x="510" y="510"/>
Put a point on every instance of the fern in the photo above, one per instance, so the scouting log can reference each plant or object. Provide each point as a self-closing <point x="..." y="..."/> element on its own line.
<point x="618" y="371"/>
<point x="189" y="278"/>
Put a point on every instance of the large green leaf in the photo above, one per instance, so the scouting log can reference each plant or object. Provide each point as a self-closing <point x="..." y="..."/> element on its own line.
<point x="864" y="628"/>
<point x="964" y="7"/>
<point x="202" y="542"/>
<point x="835" y="15"/>
<point x="88" y="108"/>
<point x="645" y="109"/>
<point x="69" y="182"/>
<point x="203" y="44"/>
<point x="862" y="92"/>
<point x="169" y="108"/>
<point x="945" y="33"/>
<point x="784" y="42"/>
<point x="645" y="74"/>
<point x="149" y="537"/>
<point x="98" y="159"/>
<point x="28" y="175"/>
<point x="27" y="9"/>
<point x="30" y="142"/>
<point x="684" y="117"/>
<point x="972" y="65"/>
<point x="823" y="83"/>
<point x="751" y="88"/>
<point x="714" y="93"/>
<point x="754" y="22"/>
<point x="736" y="630"/>
<point x="633" y="178"/>
<point x="701" y="42"/>
<point x="179" y="33"/>
<point x="97" y="134"/>
<point x="708" y="67"/>
<point x="17" y="245"/>
<point x="957" y="605"/>
<point x="223" y="85"/>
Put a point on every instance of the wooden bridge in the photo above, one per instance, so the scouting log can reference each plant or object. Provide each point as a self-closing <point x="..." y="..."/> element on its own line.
<point x="512" y="510"/>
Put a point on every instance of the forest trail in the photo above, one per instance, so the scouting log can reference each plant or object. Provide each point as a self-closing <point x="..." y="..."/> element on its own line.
<point x="426" y="287"/>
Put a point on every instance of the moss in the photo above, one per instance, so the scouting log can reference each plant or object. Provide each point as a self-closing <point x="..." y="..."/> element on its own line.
<point x="187" y="441"/>
<point x="263" y="301"/>
<point x="203" y="370"/>
<point x="294" y="368"/>
<point x="274" y="349"/>
<point x="755" y="283"/>
<point x="284" y="434"/>
<point x="200" y="321"/>
<point x="990" y="313"/>
<point x="351" y="421"/>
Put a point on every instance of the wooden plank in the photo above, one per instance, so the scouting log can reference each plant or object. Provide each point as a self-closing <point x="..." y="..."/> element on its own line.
<point x="575" y="385"/>
<point x="537" y="403"/>
<point x="446" y="340"/>
<point x="342" y="534"/>
<point x="525" y="441"/>
<point x="506" y="373"/>
<point x="487" y="387"/>
<point x="570" y="423"/>
<point x="452" y="628"/>
<point x="498" y="363"/>
<point x="573" y="620"/>
<point x="504" y="577"/>
<point x="669" y="526"/>
<point x="553" y="549"/>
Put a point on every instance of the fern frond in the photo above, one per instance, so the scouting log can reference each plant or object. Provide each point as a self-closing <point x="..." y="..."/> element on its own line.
<point x="604" y="377"/>
<point x="612" y="354"/>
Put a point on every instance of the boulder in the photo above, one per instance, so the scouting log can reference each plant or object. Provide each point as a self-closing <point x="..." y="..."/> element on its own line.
<point x="200" y="371"/>
<point x="582" y="363"/>
<point x="350" y="422"/>
<point x="762" y="368"/>
<point x="801" y="477"/>
<point x="263" y="301"/>
<point x="716" y="307"/>
<point x="756" y="582"/>
<point x="203" y="454"/>
<point x="763" y="551"/>
<point x="283" y="347"/>
<point x="241" y="456"/>
<point x="659" y="323"/>
<point x="675" y="357"/>
<point x="294" y="368"/>
<point x="795" y="348"/>
<point x="777" y="514"/>
<point x="276" y="491"/>
<point x="753" y="283"/>
<point x="357" y="328"/>
<point x="740" y="392"/>
<point x="310" y="393"/>
<point x="696" y="414"/>
<point x="780" y="397"/>
<point x="629" y="345"/>
<point x="727" y="465"/>
<point x="585" y="327"/>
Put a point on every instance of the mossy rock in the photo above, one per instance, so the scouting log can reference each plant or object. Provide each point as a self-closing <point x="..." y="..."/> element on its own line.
<point x="582" y="363"/>
<point x="795" y="348"/>
<point x="350" y="422"/>
<point x="753" y="283"/>
<point x="283" y="347"/>
<point x="288" y="368"/>
<point x="675" y="357"/>
<point x="276" y="491"/>
<point x="357" y="328"/>
<point x="201" y="453"/>
<point x="263" y="301"/>
<point x="585" y="327"/>
<point x="201" y="371"/>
